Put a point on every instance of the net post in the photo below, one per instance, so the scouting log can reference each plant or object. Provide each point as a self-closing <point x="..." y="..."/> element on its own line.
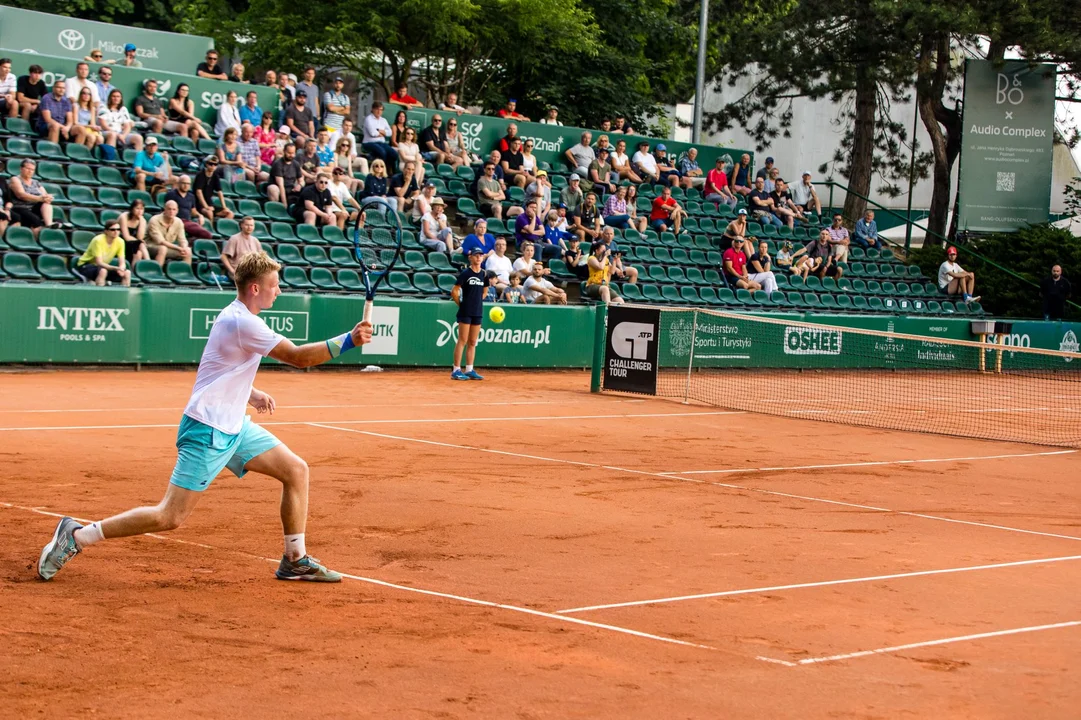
<point x="983" y="354"/>
<point x="690" y="361"/>
<point x="998" y="353"/>
<point x="599" y="326"/>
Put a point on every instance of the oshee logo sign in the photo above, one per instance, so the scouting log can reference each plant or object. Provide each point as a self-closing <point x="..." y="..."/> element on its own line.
<point x="811" y="341"/>
<point x="630" y="352"/>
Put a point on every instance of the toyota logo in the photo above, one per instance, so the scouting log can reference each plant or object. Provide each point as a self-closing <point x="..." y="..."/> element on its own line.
<point x="71" y="40"/>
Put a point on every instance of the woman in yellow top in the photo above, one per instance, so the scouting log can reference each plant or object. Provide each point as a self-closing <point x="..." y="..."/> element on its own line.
<point x="96" y="263"/>
<point x="600" y="271"/>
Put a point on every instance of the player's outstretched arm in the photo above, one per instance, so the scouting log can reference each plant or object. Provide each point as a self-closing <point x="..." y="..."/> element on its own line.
<point x="317" y="353"/>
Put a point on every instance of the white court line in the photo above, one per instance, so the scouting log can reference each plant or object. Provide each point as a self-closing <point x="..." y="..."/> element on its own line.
<point x="869" y="463"/>
<point x="421" y="591"/>
<point x="928" y="643"/>
<point x="822" y="583"/>
<point x="680" y="478"/>
<point x="315" y="407"/>
<point x="396" y="421"/>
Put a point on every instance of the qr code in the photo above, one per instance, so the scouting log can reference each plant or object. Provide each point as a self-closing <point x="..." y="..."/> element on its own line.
<point x="1005" y="182"/>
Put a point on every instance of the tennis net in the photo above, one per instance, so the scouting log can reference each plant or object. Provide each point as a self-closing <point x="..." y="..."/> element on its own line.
<point x="844" y="375"/>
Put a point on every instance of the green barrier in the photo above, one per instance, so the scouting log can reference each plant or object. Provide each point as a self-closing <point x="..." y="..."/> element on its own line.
<point x="74" y="38"/>
<point x="207" y="95"/>
<point x="482" y="132"/>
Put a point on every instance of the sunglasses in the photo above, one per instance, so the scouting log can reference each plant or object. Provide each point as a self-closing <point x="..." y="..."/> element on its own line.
<point x="210" y="164"/>
<point x="453" y="124"/>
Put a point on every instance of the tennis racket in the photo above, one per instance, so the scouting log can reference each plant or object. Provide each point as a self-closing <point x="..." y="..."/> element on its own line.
<point x="377" y="252"/>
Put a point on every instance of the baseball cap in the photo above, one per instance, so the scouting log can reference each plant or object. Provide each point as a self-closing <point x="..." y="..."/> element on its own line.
<point x="339" y="78"/>
<point x="429" y="184"/>
<point x="573" y="177"/>
<point x="151" y="140"/>
<point x="475" y="251"/>
<point x="805" y="174"/>
<point x="542" y="173"/>
<point x="951" y="250"/>
<point x="769" y="161"/>
<point x="284" y="129"/>
<point x="660" y="146"/>
<point x="129" y="47"/>
<point x="513" y="100"/>
<point x="742" y="211"/>
<point x="602" y="150"/>
<point x="302" y="93"/>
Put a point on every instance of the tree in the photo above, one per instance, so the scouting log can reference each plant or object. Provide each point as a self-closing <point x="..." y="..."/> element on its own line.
<point x="151" y="14"/>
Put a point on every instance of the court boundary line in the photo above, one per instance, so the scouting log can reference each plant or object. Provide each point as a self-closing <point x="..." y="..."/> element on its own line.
<point x="423" y="591"/>
<point x="820" y="583"/>
<point x="869" y="463"/>
<point x="310" y="407"/>
<point x="912" y="646"/>
<point x="696" y="481"/>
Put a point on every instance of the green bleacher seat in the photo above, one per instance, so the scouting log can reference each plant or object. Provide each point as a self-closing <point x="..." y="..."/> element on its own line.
<point x="181" y="273"/>
<point x="84" y="197"/>
<point x="110" y="197"/>
<point x="457" y="188"/>
<point x="261" y="231"/>
<point x="109" y="214"/>
<point x="445" y="170"/>
<point x="676" y="275"/>
<point x="425" y="283"/>
<point x="282" y="231"/>
<point x="278" y="212"/>
<point x="106" y="176"/>
<point x="85" y="219"/>
<point x="875" y="304"/>
<point x="18" y="126"/>
<point x="657" y="274"/>
<point x="289" y="254"/>
<point x="19" y="266"/>
<point x="297" y="277"/>
<point x="844" y="302"/>
<point x="632" y="293"/>
<point x="743" y="296"/>
<point x="759" y="297"/>
<point x="795" y="299"/>
<point x="212" y="274"/>
<point x="689" y="295"/>
<point x="828" y="302"/>
<point x="681" y="256"/>
<point x="206" y="249"/>
<point x="343" y="257"/>
<point x="441" y="263"/>
<point x="890" y="288"/>
<point x="226" y="227"/>
<point x="317" y="256"/>
<point x="269" y="250"/>
<point x="207" y="147"/>
<point x="399" y="282"/>
<point x="695" y="276"/>
<point x="324" y="279"/>
<point x="445" y="281"/>
<point x="856" y="253"/>
<point x="333" y="235"/>
<point x="652" y="294"/>
<point x="21" y="147"/>
<point x="465" y="172"/>
<point x="55" y="241"/>
<point x="49" y="149"/>
<point x="859" y="302"/>
<point x="467" y="208"/>
<point x="310" y="234"/>
<point x="874" y="287"/>
<point x="416" y="260"/>
<point x="252" y="208"/>
<point x="726" y="296"/>
<point x="53" y="267"/>
<point x="349" y="279"/>
<point x="184" y="145"/>
<point x="709" y="296"/>
<point x="50" y="171"/>
<point x="22" y="239"/>
<point x="57" y="191"/>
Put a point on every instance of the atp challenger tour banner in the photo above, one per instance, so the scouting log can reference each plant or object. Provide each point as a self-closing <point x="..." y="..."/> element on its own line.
<point x="1005" y="175"/>
<point x="69" y="37"/>
<point x="630" y="349"/>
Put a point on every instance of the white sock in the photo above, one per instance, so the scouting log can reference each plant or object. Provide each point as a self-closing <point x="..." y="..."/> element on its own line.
<point x="88" y="535"/>
<point x="294" y="547"/>
<point x="469" y="368"/>
<point x="457" y="368"/>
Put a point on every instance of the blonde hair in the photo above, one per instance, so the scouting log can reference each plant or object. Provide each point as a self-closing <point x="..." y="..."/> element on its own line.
<point x="252" y="267"/>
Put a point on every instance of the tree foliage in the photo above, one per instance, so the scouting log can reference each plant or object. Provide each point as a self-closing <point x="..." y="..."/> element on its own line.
<point x="151" y="14"/>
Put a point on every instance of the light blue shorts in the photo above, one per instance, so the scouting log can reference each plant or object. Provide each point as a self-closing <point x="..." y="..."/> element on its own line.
<point x="203" y="451"/>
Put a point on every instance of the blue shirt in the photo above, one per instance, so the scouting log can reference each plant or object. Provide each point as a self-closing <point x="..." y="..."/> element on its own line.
<point x="487" y="243"/>
<point x="473" y="285"/>
<point x="150" y="164"/>
<point x="58" y="109"/>
<point x="251" y="115"/>
<point x="325" y="154"/>
<point x="553" y="234"/>
<point x="104" y="89"/>
<point x="866" y="230"/>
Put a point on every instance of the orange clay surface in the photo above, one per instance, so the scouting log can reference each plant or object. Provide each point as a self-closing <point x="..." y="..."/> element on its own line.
<point x="512" y="500"/>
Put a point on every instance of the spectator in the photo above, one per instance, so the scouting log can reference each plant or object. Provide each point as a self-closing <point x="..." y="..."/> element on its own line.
<point x="230" y="159"/>
<point x="805" y="196"/>
<point x="512" y="164"/>
<point x="316" y="204"/>
<point x="735" y="268"/>
<point x="347" y="208"/>
<point x="228" y="115"/>
<point x="336" y="106"/>
<point x="117" y="125"/>
<point x="510" y="110"/>
<point x="555" y="238"/>
<point x="185" y="209"/>
<point x="528" y="227"/>
<point x="667" y="171"/>
<point x="480" y="239"/>
<point x="552" y="117"/>
<point x="541" y="191"/>
<point x="495" y="157"/>
<point x="96" y="55"/>
<point x="602" y="142"/>
<point x="323" y="150"/>
<point x="770" y="182"/>
<point x="250" y="112"/>
<point x="500" y="264"/>
<point x="953" y="280"/>
<point x="82" y="80"/>
<point x="602" y="175"/>
<point x="621" y="164"/>
<point x="523" y="266"/>
<point x="615" y="211"/>
<point x="646" y="165"/>
<point x="250" y="154"/>
<point x="56" y="117"/>
<point x="765" y="170"/>
<point x="346" y="130"/>
<point x="181" y="118"/>
<point x="574" y="259"/>
<point x="839" y="238"/>
<point x="783" y="208"/>
<point x="210" y="69"/>
<point x="490" y="195"/>
<point x="207" y="187"/>
<point x="639" y="223"/>
<point x="148" y="108"/>
<point x="129" y="59"/>
<point x="165" y="236"/>
<point x="241" y="244"/>
<point x="286" y="180"/>
<point x="29" y="89"/>
<point x="397" y="130"/>
<point x="269" y="150"/>
<point x="311" y="91"/>
<point x="286" y="95"/>
<point x="761" y="204"/>
<point x="270" y="79"/>
<point x="31" y="206"/>
<point x="538" y="289"/>
<point x="798" y="263"/>
<point x="422" y="205"/>
<point x="715" y="189"/>
<point x="588" y="222"/>
<point x="300" y="118"/>
<point x="96" y="264"/>
<point x="667" y="214"/>
<point x="376" y="136"/>
<point x="1055" y="290"/>
<point x="237" y="74"/>
<point x="761" y="269"/>
<point x="619" y="124"/>
<point x="529" y="160"/>
<point x="405" y="186"/>
<point x="309" y="162"/>
<point x="105" y="74"/>
<point x="823" y="261"/>
<point x="347" y="160"/>
<point x="450" y="104"/>
<point x="433" y="144"/>
<point x="149" y="163"/>
<point x="435" y="234"/>
<point x="737" y="231"/>
<point x="457" y="149"/>
<point x="376" y="187"/>
<point x="401" y="96"/>
<point x="690" y="173"/>
<point x="866" y="235"/>
<point x="783" y="195"/>
<point x="133" y="232"/>
<point x="86" y="119"/>
<point x="571" y="196"/>
<point x="619" y="269"/>
<point x="606" y="125"/>
<point x="580" y="156"/>
<point x="598" y="283"/>
<point x="512" y="293"/>
<point x="504" y="142"/>
<point x="740" y="179"/>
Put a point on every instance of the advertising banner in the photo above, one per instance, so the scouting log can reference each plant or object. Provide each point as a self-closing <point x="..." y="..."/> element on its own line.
<point x="1009" y="117"/>
<point x="630" y="349"/>
<point x="57" y="35"/>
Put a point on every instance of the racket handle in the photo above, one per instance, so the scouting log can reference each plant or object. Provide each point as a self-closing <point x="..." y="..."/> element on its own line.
<point x="368" y="304"/>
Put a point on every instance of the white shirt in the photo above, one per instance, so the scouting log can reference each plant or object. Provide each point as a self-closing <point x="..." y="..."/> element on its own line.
<point x="522" y="264"/>
<point x="645" y="161"/>
<point x="546" y="121"/>
<point x="75" y="86"/>
<point x="618" y="160"/>
<point x="454" y="108"/>
<point x="8" y="84"/>
<point x="944" y="271"/>
<point x="501" y="266"/>
<point x="801" y="194"/>
<point x="223" y="384"/>
<point x="115" y="119"/>
<point x="228" y="117"/>
<point x="340" y="191"/>
<point x="430" y="226"/>
<point x="372" y="126"/>
<point x="532" y="283"/>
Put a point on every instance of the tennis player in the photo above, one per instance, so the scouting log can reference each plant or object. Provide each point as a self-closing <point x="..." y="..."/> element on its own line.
<point x="215" y="432"/>
<point x="468" y="291"/>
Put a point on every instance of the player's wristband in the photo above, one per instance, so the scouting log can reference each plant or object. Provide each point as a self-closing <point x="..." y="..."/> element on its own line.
<point x="340" y="344"/>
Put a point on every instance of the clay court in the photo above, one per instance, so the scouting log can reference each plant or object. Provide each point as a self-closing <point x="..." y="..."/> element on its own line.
<point x="520" y="548"/>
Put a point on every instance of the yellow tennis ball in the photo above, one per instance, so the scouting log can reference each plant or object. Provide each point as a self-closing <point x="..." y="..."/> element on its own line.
<point x="497" y="315"/>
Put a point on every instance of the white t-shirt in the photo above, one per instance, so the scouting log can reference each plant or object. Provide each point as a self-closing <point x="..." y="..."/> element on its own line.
<point x="530" y="284"/>
<point x="341" y="192"/>
<point x="645" y="161"/>
<point x="75" y="86"/>
<point x="801" y="194"/>
<point x="618" y="160"/>
<point x="223" y="384"/>
<point x="9" y="84"/>
<point x="582" y="154"/>
<point x="522" y="264"/>
<point x="944" y="271"/>
<point x="116" y="118"/>
<point x="501" y="266"/>
<point x="372" y="126"/>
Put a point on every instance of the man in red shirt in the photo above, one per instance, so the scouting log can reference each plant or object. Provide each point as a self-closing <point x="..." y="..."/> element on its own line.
<point x="504" y="142"/>
<point x="716" y="189"/>
<point x="402" y="97"/>
<point x="666" y="212"/>
<point x="510" y="111"/>
<point x="735" y="268"/>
